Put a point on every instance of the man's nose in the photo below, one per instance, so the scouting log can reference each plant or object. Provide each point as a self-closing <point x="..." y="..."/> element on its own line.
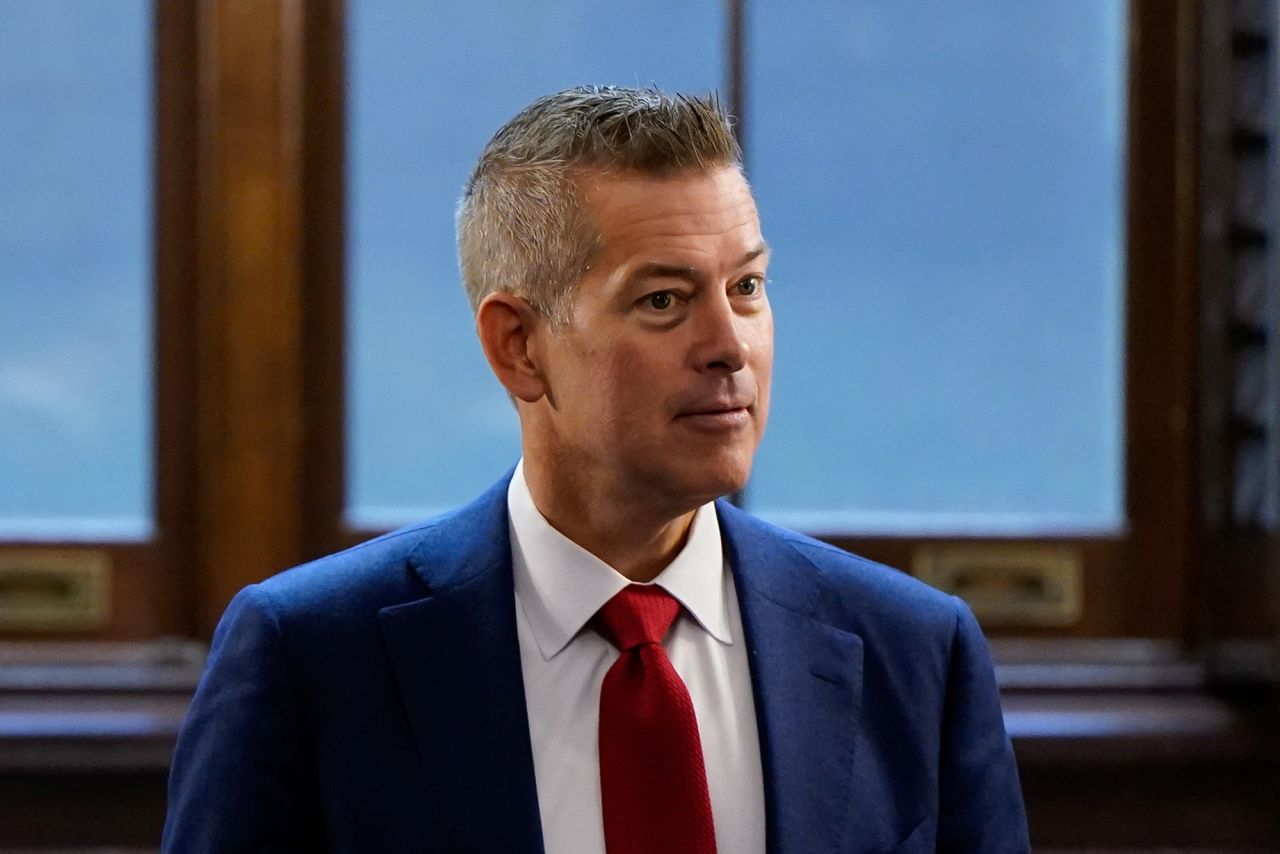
<point x="723" y="340"/>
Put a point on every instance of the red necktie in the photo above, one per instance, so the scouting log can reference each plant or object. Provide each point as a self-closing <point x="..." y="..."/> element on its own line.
<point x="652" y="779"/>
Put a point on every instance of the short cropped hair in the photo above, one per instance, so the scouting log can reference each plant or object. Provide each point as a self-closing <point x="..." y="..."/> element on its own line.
<point x="521" y="225"/>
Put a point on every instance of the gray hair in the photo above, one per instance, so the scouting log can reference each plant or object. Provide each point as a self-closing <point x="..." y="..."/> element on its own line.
<point x="521" y="225"/>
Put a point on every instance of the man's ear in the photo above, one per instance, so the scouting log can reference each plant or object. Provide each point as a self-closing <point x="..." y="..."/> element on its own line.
<point x="508" y="326"/>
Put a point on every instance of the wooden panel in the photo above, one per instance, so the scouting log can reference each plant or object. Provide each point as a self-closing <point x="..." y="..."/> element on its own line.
<point x="83" y="810"/>
<point x="324" y="259"/>
<point x="1153" y="575"/>
<point x="1195" y="806"/>
<point x="144" y="583"/>
<point x="1239" y="341"/>
<point x="249" y="403"/>
<point x="174" y="326"/>
<point x="85" y="732"/>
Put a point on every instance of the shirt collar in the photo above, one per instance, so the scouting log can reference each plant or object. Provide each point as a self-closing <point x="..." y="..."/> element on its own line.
<point x="561" y="585"/>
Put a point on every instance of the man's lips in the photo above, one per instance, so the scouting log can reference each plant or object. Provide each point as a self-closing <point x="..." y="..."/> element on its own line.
<point x="716" y="416"/>
<point x="715" y="407"/>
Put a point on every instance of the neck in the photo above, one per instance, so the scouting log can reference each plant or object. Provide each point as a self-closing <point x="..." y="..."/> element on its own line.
<point x="635" y="536"/>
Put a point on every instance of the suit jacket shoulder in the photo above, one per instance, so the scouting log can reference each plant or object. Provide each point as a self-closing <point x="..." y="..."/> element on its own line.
<point x="426" y="558"/>
<point x="373" y="700"/>
<point x="840" y="588"/>
<point x="367" y="701"/>
<point x="869" y="677"/>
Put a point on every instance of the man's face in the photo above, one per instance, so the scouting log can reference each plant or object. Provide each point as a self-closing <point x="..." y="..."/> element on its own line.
<point x="660" y="383"/>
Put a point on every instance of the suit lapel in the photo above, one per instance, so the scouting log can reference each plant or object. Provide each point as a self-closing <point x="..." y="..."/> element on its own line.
<point x="807" y="680"/>
<point x="457" y="663"/>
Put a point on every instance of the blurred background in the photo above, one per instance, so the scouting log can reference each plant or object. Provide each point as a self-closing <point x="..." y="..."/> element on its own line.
<point x="1027" y="292"/>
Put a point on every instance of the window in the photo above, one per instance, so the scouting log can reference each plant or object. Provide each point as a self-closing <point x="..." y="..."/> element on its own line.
<point x="75" y="260"/>
<point x="263" y="293"/>
<point x="429" y="428"/>
<point x="960" y="258"/>
<point x="302" y="233"/>
<point x="975" y="273"/>
<point x="91" y="249"/>
<point x="943" y="188"/>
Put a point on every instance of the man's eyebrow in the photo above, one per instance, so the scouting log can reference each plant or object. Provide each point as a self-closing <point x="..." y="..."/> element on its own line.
<point x="761" y="249"/>
<point x="658" y="270"/>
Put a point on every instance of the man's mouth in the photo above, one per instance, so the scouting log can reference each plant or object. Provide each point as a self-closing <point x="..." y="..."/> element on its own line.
<point x="714" y="417"/>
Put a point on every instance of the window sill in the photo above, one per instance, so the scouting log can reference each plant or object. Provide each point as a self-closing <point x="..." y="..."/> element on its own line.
<point x="93" y="707"/>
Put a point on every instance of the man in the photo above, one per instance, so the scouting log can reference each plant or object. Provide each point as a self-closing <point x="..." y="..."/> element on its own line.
<point x="597" y="655"/>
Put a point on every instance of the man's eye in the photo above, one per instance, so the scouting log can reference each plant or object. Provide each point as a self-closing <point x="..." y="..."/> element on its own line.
<point x="749" y="286"/>
<point x="662" y="300"/>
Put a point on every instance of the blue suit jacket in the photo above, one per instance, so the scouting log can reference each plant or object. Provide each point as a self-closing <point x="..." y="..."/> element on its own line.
<point x="373" y="702"/>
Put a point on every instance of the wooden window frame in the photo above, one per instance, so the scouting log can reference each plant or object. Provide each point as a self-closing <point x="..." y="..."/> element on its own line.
<point x="250" y="444"/>
<point x="1137" y="583"/>
<point x="250" y="327"/>
<point x="150" y="591"/>
<point x="246" y="147"/>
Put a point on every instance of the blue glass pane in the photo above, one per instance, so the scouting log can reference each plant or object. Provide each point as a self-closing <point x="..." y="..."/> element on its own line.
<point x="942" y="185"/>
<point x="75" y="268"/>
<point x="428" y="425"/>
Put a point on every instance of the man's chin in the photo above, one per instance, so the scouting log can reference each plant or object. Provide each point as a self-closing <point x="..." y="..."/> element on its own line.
<point x="700" y="483"/>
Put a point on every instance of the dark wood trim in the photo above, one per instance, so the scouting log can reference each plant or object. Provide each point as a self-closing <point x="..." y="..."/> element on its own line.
<point x="175" y="313"/>
<point x="82" y="813"/>
<point x="1213" y="368"/>
<point x="1059" y="697"/>
<point x="251" y="283"/>
<point x="50" y="669"/>
<point x="273" y="150"/>
<point x="49" y="738"/>
<point x="1127" y="728"/>
<point x="1058" y="729"/>
<point x="1154" y="580"/>
<point x="1191" y="807"/>
<point x="1104" y="578"/>
<point x="1094" y="665"/>
<point x="142" y="577"/>
<point x="324" y="267"/>
<point x="1239" y="339"/>
<point x="1154" y="763"/>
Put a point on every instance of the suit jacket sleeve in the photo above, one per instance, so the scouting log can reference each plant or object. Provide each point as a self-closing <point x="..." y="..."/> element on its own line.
<point x="980" y="800"/>
<point x="236" y="782"/>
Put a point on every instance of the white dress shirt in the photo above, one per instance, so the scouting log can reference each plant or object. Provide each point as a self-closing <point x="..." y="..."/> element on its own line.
<point x="559" y="586"/>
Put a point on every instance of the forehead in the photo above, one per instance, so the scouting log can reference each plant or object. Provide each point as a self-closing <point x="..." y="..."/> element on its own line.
<point x="705" y="211"/>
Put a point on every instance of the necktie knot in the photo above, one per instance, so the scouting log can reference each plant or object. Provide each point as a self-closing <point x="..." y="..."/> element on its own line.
<point x="637" y="615"/>
<point x="653" y="780"/>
